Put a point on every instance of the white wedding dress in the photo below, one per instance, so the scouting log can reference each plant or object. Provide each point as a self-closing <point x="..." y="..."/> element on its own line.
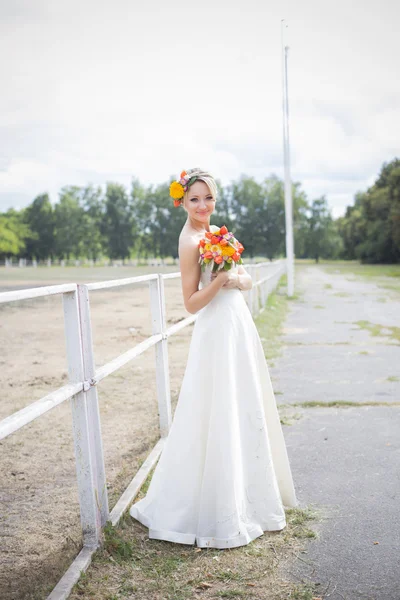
<point x="223" y="477"/>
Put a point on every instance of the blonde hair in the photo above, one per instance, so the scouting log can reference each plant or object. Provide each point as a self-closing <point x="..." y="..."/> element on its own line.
<point x="202" y="176"/>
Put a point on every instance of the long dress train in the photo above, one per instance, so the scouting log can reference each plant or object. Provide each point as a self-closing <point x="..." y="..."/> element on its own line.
<point x="223" y="477"/>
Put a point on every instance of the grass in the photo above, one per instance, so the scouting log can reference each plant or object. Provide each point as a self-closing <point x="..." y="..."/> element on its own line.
<point x="336" y="404"/>
<point x="288" y="419"/>
<point x="376" y="329"/>
<point x="307" y="592"/>
<point x="270" y="322"/>
<point x="129" y="565"/>
<point x="346" y="343"/>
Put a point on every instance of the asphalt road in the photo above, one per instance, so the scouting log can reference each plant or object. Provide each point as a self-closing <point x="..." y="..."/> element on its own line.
<point x="345" y="460"/>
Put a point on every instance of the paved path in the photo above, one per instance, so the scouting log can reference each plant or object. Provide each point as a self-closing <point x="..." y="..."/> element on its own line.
<point x="345" y="460"/>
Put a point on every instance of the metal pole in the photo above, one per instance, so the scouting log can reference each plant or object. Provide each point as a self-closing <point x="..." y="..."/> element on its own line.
<point x="286" y="155"/>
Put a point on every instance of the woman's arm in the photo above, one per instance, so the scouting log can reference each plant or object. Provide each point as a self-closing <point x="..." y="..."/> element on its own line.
<point x="195" y="299"/>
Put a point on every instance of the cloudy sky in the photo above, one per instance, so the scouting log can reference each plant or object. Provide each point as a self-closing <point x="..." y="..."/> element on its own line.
<point x="103" y="91"/>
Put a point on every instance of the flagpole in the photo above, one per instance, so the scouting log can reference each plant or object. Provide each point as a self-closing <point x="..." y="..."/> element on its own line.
<point x="286" y="158"/>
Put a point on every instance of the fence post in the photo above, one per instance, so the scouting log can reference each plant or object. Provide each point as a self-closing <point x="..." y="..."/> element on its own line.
<point x="257" y="288"/>
<point x="263" y="287"/>
<point x="250" y="293"/>
<point x="93" y="403"/>
<point x="90" y="513"/>
<point x="157" y="301"/>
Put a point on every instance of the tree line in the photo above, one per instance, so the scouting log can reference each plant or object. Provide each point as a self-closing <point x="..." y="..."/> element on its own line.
<point x="370" y="229"/>
<point x="142" y="222"/>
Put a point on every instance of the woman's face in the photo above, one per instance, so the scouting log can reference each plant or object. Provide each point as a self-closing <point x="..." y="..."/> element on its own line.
<point x="199" y="202"/>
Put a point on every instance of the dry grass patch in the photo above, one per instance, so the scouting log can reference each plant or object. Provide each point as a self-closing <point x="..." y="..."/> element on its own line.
<point x="375" y="329"/>
<point x="130" y="565"/>
<point x="336" y="404"/>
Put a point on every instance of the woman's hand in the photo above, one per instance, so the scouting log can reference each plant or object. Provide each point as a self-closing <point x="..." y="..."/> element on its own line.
<point x="231" y="279"/>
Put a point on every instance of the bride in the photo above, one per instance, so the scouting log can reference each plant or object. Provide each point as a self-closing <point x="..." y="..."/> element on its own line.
<point x="223" y="477"/>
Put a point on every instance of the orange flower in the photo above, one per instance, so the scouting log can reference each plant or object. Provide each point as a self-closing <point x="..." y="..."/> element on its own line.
<point x="236" y="256"/>
<point x="223" y="242"/>
<point x="214" y="239"/>
<point x="223" y="230"/>
<point x="208" y="254"/>
<point x="218" y="259"/>
<point x="202" y="242"/>
<point x="183" y="174"/>
<point x="209" y="235"/>
<point x="177" y="202"/>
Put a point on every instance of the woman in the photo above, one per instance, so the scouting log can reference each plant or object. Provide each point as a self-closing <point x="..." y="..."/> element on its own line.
<point x="223" y="477"/>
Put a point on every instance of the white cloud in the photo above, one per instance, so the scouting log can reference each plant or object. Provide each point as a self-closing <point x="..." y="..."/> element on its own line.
<point x="94" y="92"/>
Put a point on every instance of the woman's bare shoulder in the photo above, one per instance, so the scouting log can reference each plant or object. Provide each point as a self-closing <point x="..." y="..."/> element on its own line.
<point x="188" y="247"/>
<point x="187" y="239"/>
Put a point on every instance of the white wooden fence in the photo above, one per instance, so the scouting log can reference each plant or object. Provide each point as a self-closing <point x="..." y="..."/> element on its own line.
<point x="81" y="390"/>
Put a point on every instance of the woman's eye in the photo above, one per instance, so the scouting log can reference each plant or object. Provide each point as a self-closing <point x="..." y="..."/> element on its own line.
<point x="195" y="199"/>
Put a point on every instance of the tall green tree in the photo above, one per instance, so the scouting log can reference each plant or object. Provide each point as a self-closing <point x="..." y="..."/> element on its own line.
<point x="249" y="207"/>
<point x="323" y="237"/>
<point x="371" y="227"/>
<point x="167" y="222"/>
<point x="14" y="233"/>
<point x="118" y="226"/>
<point x="274" y="218"/>
<point x="93" y="207"/>
<point x="144" y="214"/>
<point x="352" y="228"/>
<point x="39" y="216"/>
<point x="224" y="212"/>
<point x="68" y="217"/>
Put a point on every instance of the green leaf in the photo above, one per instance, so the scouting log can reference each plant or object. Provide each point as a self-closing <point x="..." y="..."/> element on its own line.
<point x="191" y="180"/>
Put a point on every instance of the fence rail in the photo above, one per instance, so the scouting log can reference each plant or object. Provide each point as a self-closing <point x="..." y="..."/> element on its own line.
<point x="82" y="392"/>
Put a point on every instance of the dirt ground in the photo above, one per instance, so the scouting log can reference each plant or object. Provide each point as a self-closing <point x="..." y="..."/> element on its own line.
<point x="40" y="526"/>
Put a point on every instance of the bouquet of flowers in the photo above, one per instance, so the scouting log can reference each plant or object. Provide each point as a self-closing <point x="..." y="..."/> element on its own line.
<point x="221" y="248"/>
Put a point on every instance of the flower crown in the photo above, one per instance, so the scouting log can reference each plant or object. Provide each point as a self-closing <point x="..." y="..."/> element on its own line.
<point x="177" y="189"/>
